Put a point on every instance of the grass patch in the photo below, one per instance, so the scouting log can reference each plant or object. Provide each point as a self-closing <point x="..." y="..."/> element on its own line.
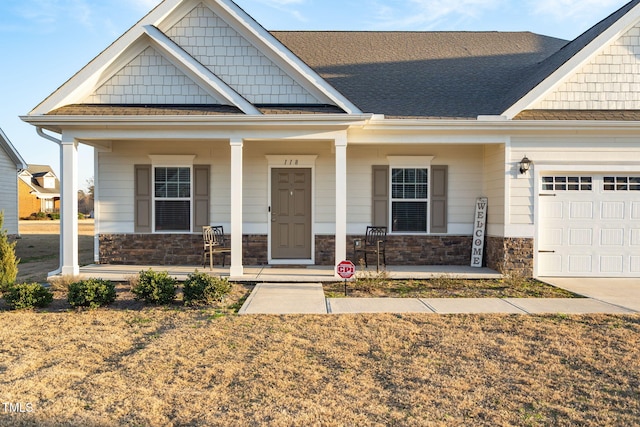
<point x="446" y="286"/>
<point x="159" y="366"/>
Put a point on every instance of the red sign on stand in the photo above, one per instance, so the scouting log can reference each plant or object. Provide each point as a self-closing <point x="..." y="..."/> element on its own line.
<point x="346" y="269"/>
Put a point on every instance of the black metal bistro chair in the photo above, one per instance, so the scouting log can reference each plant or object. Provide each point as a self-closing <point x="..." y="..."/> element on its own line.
<point x="374" y="243"/>
<point x="214" y="243"/>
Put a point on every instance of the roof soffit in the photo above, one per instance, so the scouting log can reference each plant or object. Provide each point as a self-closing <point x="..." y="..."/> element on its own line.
<point x="604" y="39"/>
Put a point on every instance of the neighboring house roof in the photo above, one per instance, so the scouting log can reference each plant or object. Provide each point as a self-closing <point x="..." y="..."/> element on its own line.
<point x="11" y="151"/>
<point x="33" y="172"/>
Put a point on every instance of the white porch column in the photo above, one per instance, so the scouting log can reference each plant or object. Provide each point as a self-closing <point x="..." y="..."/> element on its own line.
<point x="341" y="198"/>
<point x="69" y="207"/>
<point x="236" y="208"/>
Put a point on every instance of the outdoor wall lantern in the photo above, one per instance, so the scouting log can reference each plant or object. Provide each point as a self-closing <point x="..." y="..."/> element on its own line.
<point x="525" y="164"/>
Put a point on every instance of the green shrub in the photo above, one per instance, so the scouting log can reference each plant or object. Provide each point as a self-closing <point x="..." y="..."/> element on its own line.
<point x="38" y="216"/>
<point x="8" y="260"/>
<point x="91" y="293"/>
<point x="155" y="287"/>
<point x="28" y="295"/>
<point x="203" y="289"/>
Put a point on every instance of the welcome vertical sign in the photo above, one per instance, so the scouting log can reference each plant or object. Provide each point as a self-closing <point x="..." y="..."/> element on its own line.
<point x="479" y="227"/>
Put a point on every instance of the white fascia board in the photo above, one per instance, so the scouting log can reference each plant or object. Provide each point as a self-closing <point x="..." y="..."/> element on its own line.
<point x="552" y="82"/>
<point x="281" y="55"/>
<point x="11" y="151"/>
<point x="85" y="80"/>
<point x="114" y="122"/>
<point x="445" y="126"/>
<point x="198" y="72"/>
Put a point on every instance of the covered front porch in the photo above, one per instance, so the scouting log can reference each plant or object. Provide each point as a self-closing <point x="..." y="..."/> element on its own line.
<point x="300" y="274"/>
<point x="234" y="177"/>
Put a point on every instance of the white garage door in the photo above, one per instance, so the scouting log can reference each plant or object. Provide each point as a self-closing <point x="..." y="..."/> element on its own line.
<point x="589" y="225"/>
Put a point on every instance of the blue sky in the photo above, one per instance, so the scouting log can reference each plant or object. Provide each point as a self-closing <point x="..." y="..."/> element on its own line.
<point x="44" y="42"/>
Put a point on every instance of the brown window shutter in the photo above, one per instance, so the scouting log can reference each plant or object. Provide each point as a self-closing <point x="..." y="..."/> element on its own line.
<point x="439" y="198"/>
<point x="142" y="191"/>
<point x="380" y="196"/>
<point x="200" y="196"/>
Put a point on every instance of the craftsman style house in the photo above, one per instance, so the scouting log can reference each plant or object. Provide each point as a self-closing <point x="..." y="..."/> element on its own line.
<point x="11" y="163"/>
<point x="38" y="191"/>
<point x="296" y="141"/>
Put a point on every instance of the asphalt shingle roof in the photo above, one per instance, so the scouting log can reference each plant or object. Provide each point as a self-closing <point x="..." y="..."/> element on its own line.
<point x="38" y="171"/>
<point x="452" y="75"/>
<point x="422" y="74"/>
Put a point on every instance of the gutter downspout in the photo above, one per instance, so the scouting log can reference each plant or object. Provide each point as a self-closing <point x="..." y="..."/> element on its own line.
<point x="59" y="142"/>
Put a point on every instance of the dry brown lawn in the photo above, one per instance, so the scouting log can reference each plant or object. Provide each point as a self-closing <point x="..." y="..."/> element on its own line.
<point x="193" y="367"/>
<point x="132" y="364"/>
<point x="38" y="248"/>
<point x="447" y="287"/>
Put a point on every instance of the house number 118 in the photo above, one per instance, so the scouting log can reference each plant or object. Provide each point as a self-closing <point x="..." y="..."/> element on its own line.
<point x="290" y="162"/>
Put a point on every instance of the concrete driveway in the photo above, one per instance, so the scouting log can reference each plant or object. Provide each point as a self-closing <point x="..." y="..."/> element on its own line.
<point x="618" y="291"/>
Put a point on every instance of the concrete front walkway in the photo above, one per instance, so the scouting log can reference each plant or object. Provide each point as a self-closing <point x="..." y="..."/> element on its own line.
<point x="299" y="298"/>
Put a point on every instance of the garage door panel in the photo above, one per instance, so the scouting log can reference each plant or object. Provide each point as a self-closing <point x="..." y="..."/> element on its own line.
<point x="580" y="237"/>
<point x="553" y="210"/>
<point x="591" y="229"/>
<point x="551" y="263"/>
<point x="580" y="264"/>
<point x="612" y="210"/>
<point x="581" y="210"/>
<point x="612" y="237"/>
<point x="553" y="237"/>
<point x="611" y="264"/>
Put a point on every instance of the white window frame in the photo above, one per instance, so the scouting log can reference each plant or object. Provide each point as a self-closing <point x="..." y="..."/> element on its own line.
<point x="168" y="161"/>
<point x="617" y="184"/>
<point x="409" y="162"/>
<point x="557" y="182"/>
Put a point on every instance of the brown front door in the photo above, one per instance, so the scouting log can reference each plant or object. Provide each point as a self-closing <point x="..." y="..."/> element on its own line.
<point x="291" y="213"/>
